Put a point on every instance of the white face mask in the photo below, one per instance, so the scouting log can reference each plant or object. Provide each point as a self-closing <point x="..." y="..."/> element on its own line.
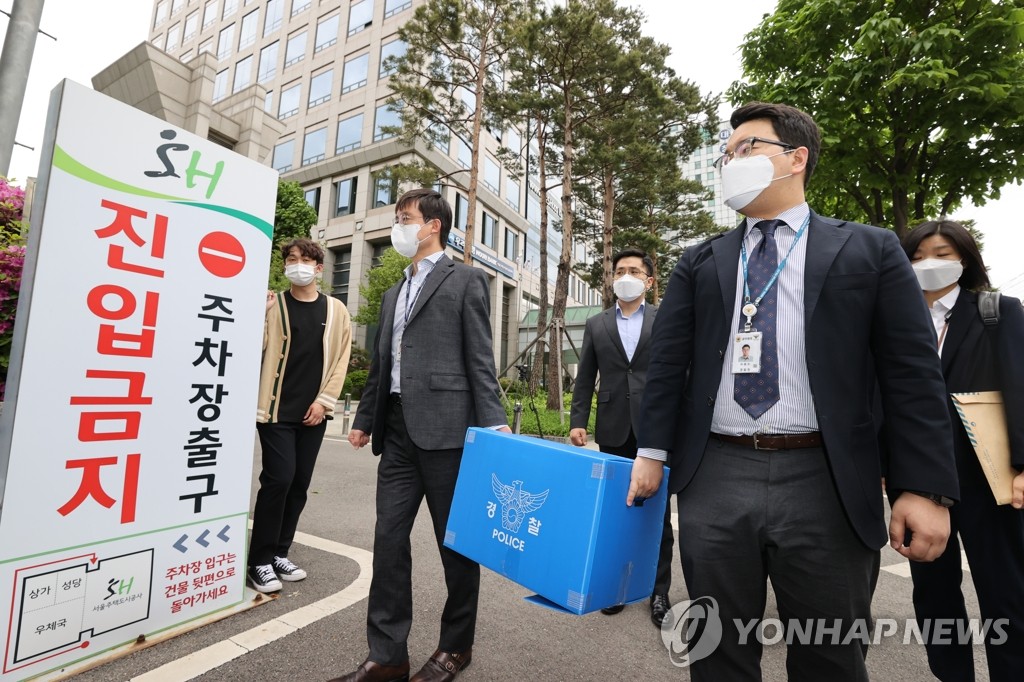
<point x="743" y="180"/>
<point x="937" y="273"/>
<point x="629" y="288"/>
<point x="403" y="238"/>
<point x="300" y="274"/>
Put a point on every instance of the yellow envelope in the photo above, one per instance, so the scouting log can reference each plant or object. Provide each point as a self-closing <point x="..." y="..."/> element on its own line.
<point x="984" y="420"/>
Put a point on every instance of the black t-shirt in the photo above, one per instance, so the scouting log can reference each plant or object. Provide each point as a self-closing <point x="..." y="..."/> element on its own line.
<point x="302" y="373"/>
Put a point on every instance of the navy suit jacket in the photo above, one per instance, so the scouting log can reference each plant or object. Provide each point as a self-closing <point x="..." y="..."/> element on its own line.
<point x="866" y="326"/>
<point x="978" y="359"/>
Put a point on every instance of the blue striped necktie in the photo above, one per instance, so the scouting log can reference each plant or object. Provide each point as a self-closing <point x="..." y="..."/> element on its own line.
<point x="756" y="393"/>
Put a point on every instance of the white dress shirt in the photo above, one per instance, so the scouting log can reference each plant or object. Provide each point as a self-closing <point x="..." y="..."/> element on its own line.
<point x="941" y="310"/>
<point x="630" y="328"/>
<point x="407" y="296"/>
<point x="794" y="412"/>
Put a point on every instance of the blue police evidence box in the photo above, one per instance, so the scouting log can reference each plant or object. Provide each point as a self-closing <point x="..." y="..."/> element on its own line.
<point x="554" y="519"/>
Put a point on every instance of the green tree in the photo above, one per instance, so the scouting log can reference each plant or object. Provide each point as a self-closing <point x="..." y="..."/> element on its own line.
<point x="293" y="218"/>
<point x="453" y="64"/>
<point x="379" y="280"/>
<point x="921" y="102"/>
<point x="636" y="155"/>
<point x="572" y="48"/>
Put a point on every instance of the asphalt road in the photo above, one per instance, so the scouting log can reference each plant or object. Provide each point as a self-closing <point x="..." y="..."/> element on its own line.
<point x="515" y="640"/>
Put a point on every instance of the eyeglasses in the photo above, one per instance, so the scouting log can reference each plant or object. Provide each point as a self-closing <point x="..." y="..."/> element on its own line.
<point x="634" y="272"/>
<point x="744" y="149"/>
<point x="410" y="219"/>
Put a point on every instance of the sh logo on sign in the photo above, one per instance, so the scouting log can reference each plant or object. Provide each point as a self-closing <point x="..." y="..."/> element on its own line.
<point x="192" y="172"/>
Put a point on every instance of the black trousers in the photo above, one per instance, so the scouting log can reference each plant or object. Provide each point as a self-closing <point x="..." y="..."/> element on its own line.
<point x="753" y="515"/>
<point x="289" y="456"/>
<point x="405" y="476"/>
<point x="993" y="538"/>
<point x="663" y="576"/>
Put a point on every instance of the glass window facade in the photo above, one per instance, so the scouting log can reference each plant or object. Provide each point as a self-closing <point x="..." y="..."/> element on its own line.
<point x="326" y="33"/>
<point x="492" y="174"/>
<point x="289" y="104"/>
<point x="284" y="152"/>
<point x="386" y="115"/>
<point x="275" y="14"/>
<point x="295" y="51"/>
<point x="268" y="62"/>
<point x="385" y="189"/>
<point x="345" y="196"/>
<point x="350" y="133"/>
<point x="220" y="85"/>
<point x="360" y="15"/>
<point x="227" y="36"/>
<point x="243" y="74"/>
<point x="247" y="35"/>
<point x="320" y="87"/>
<point x="314" y="146"/>
<point x="356" y="70"/>
<point x="389" y="52"/>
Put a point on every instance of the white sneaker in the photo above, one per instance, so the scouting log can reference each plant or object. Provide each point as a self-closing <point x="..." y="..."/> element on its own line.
<point x="288" y="571"/>
<point x="264" y="579"/>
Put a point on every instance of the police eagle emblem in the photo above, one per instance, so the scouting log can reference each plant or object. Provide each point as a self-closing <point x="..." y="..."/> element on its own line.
<point x="516" y="503"/>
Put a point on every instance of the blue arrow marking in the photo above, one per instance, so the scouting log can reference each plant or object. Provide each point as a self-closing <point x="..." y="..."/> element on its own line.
<point x="223" y="534"/>
<point x="202" y="538"/>
<point x="180" y="544"/>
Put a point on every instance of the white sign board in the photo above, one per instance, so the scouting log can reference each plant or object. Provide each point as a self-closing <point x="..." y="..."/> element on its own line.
<point x="130" y="408"/>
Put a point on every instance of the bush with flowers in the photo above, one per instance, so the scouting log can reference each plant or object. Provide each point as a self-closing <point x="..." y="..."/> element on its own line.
<point x="12" y="260"/>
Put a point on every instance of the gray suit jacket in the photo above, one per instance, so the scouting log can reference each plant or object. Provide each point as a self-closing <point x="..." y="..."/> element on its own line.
<point x="448" y="376"/>
<point x="622" y="380"/>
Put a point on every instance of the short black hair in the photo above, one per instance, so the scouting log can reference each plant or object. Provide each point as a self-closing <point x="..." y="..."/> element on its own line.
<point x="746" y="345"/>
<point x="975" y="275"/>
<point x="634" y="253"/>
<point x="793" y="127"/>
<point x="432" y="205"/>
<point x="306" y="247"/>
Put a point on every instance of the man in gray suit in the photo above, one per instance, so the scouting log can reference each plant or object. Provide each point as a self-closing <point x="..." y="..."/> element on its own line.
<point x="616" y="346"/>
<point x="431" y="377"/>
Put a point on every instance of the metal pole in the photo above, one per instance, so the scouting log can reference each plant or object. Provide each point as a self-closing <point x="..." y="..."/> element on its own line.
<point x="15" y="62"/>
<point x="347" y="413"/>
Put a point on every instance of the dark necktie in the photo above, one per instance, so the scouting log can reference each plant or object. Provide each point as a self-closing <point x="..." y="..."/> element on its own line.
<point x="757" y="392"/>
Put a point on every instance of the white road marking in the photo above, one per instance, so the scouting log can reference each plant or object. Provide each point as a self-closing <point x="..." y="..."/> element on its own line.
<point x="902" y="569"/>
<point x="202" y="661"/>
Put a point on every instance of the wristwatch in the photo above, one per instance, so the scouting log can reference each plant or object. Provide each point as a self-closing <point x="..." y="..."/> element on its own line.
<point x="940" y="500"/>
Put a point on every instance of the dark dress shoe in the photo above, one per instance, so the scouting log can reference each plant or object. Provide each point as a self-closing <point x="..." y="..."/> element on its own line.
<point x="659" y="608"/>
<point x="444" y="666"/>
<point x="612" y="610"/>
<point x="370" y="671"/>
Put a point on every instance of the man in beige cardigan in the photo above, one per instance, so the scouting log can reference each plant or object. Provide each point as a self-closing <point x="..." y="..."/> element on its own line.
<point x="307" y="339"/>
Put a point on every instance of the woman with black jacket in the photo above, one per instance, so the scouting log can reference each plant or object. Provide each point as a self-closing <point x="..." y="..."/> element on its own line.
<point x="975" y="357"/>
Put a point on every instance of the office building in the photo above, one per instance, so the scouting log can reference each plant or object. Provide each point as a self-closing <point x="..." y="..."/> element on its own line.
<point x="319" y="68"/>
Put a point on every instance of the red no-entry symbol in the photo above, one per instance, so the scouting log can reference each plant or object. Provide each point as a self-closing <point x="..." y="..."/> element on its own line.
<point x="221" y="254"/>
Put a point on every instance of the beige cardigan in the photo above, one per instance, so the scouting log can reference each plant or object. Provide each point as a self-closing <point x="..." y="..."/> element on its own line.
<point x="276" y="344"/>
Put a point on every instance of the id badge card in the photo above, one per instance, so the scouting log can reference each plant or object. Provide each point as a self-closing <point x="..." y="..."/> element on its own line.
<point x="746" y="353"/>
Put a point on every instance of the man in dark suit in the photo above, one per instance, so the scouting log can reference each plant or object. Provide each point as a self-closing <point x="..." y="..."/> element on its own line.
<point x="616" y="346"/>
<point x="431" y="377"/>
<point x="777" y="472"/>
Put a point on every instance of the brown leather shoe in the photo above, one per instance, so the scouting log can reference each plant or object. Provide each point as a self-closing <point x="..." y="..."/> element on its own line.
<point x="444" y="666"/>
<point x="370" y="671"/>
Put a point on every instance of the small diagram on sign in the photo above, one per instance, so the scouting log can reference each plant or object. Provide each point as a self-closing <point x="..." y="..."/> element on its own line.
<point x="60" y="604"/>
